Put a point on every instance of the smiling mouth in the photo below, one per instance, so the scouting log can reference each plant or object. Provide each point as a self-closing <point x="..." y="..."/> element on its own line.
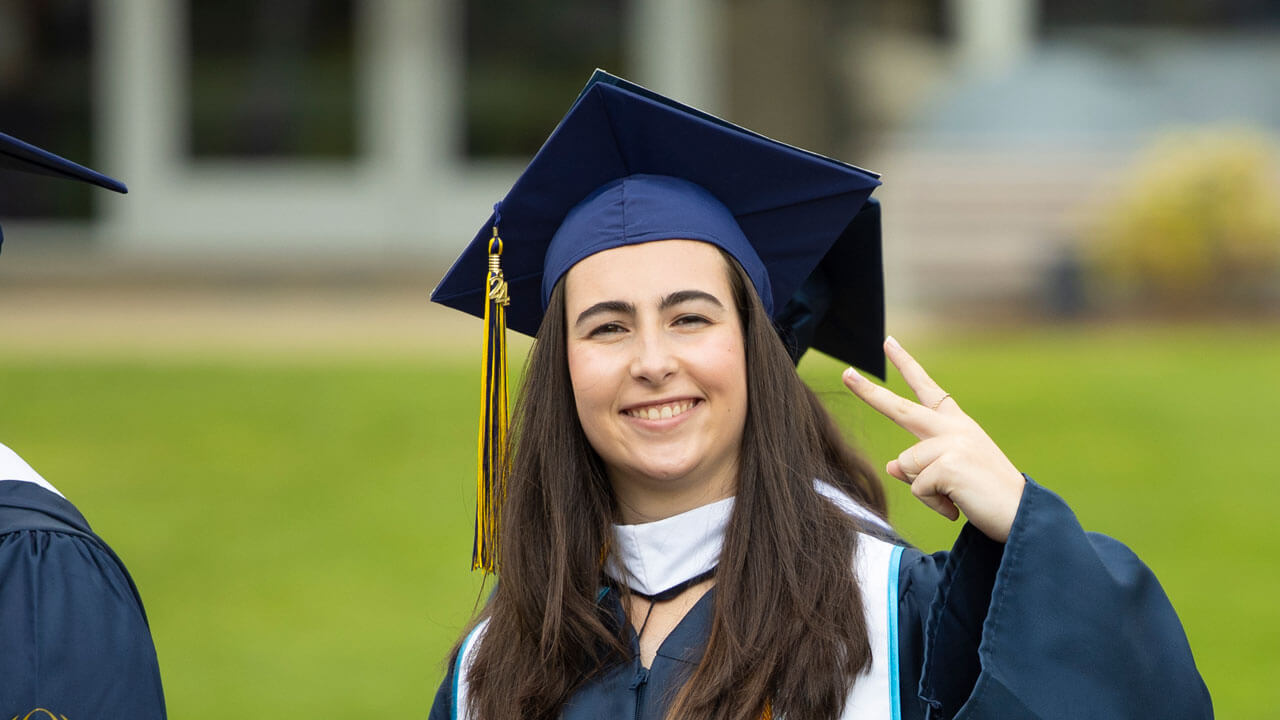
<point x="661" y="412"/>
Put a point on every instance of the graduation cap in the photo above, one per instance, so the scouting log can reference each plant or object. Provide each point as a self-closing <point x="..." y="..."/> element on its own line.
<point x="25" y="157"/>
<point x="625" y="166"/>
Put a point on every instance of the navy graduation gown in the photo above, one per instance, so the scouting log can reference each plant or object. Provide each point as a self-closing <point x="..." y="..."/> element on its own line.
<point x="1055" y="623"/>
<point x="74" y="639"/>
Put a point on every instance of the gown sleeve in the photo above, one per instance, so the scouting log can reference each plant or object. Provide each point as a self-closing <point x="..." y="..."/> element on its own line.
<point x="1055" y="623"/>
<point x="74" y="639"/>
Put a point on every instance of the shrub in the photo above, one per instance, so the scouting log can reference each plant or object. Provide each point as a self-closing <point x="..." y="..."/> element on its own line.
<point x="1195" y="226"/>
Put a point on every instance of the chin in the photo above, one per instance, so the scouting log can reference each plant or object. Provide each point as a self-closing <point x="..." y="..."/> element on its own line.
<point x="662" y="470"/>
<point x="665" y="473"/>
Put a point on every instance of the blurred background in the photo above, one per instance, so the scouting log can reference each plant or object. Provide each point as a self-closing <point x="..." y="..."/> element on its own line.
<point x="235" y="373"/>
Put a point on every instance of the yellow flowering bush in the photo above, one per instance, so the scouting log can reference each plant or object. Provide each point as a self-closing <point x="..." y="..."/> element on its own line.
<point x="1196" y="225"/>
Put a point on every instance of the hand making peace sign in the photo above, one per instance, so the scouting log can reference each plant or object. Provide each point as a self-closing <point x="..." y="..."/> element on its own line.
<point x="955" y="464"/>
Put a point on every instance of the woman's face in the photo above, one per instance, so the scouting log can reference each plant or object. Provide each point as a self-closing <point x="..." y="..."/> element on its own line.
<point x="659" y="376"/>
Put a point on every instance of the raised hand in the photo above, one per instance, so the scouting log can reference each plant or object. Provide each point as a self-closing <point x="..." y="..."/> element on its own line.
<point x="955" y="467"/>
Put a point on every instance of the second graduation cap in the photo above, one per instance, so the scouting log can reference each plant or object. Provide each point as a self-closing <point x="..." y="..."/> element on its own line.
<point x="16" y="154"/>
<point x="24" y="157"/>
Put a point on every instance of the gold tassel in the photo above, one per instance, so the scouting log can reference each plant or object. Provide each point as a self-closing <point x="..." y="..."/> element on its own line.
<point x="491" y="473"/>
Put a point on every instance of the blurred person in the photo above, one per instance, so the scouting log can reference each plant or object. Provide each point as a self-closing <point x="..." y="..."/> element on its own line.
<point x="74" y="639"/>
<point x="678" y="528"/>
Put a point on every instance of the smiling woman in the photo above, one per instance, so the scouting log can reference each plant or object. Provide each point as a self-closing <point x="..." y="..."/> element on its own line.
<point x="683" y="532"/>
<point x="678" y="321"/>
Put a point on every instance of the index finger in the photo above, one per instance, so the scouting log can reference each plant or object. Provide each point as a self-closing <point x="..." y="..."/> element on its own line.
<point x="910" y="416"/>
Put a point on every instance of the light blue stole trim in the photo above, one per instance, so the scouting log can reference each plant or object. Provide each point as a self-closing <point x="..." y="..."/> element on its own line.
<point x="457" y="669"/>
<point x="895" y="702"/>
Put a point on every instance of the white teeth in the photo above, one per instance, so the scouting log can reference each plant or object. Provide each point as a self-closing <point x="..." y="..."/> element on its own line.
<point x="661" y="412"/>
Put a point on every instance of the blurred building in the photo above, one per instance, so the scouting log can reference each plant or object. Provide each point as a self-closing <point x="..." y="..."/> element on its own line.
<point x="336" y="129"/>
<point x="321" y="127"/>
<point x="1002" y="133"/>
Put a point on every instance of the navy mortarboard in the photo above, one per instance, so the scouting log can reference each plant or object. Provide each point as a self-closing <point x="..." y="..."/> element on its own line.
<point x="625" y="166"/>
<point x="74" y="640"/>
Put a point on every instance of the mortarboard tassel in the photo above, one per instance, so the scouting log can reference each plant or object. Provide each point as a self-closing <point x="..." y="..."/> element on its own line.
<point x="491" y="472"/>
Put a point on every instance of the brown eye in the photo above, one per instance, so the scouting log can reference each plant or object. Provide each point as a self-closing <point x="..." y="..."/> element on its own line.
<point x="606" y="329"/>
<point x="691" y="320"/>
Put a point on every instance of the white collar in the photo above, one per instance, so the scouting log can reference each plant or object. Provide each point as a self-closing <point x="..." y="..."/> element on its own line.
<point x="656" y="556"/>
<point x="13" y="467"/>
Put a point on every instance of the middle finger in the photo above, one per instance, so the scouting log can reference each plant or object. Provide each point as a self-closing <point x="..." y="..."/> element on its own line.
<point x="912" y="417"/>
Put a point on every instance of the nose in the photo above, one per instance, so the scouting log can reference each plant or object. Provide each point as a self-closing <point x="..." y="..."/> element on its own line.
<point x="654" y="360"/>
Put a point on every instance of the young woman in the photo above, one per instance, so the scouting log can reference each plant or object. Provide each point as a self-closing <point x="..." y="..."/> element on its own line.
<point x="685" y="535"/>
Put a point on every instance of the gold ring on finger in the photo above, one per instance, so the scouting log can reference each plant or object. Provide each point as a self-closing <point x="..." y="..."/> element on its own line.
<point x="945" y="395"/>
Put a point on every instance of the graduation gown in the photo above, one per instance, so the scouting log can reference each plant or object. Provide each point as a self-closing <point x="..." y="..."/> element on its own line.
<point x="1054" y="623"/>
<point x="74" y="640"/>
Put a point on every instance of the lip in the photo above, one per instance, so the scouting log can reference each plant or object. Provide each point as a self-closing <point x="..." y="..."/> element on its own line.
<point x="661" y="423"/>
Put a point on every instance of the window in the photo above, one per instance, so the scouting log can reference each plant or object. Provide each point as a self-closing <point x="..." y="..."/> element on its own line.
<point x="525" y="62"/>
<point x="45" y="99"/>
<point x="272" y="78"/>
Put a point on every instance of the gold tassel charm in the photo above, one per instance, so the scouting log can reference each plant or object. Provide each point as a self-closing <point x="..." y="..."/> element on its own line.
<point x="491" y="473"/>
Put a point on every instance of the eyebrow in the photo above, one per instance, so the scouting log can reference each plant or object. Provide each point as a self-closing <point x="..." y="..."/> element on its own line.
<point x="608" y="306"/>
<point x="626" y="308"/>
<point x="684" y="296"/>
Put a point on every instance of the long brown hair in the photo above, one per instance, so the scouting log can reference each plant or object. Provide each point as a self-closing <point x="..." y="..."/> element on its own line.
<point x="788" y="630"/>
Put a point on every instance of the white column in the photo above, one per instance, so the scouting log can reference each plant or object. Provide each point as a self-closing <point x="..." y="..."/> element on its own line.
<point x="408" y="93"/>
<point x="991" y="35"/>
<point x="676" y="47"/>
<point x="139" y="63"/>
<point x="409" y="105"/>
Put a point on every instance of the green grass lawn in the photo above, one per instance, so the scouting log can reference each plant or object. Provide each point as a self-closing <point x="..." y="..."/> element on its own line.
<point x="300" y="527"/>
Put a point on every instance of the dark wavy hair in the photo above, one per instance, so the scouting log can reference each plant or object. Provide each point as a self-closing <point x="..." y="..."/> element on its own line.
<point x="788" y="631"/>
